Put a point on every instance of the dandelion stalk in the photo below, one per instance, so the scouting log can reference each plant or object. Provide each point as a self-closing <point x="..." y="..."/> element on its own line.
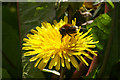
<point x="62" y="73"/>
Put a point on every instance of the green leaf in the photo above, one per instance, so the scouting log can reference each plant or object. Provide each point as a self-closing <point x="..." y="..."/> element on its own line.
<point x="110" y="65"/>
<point x="11" y="57"/>
<point x="33" y="13"/>
<point x="0" y="72"/>
<point x="5" y="73"/>
<point x="75" y="6"/>
<point x="29" y="71"/>
<point x="113" y="56"/>
<point x="111" y="3"/>
<point x="61" y="9"/>
<point x="100" y="29"/>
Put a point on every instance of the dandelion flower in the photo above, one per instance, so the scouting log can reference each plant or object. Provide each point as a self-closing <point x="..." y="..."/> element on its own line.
<point x="47" y="46"/>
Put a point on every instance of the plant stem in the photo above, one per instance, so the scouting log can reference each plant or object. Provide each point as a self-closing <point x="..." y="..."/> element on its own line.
<point x="18" y="14"/>
<point x="70" y="11"/>
<point x="62" y="72"/>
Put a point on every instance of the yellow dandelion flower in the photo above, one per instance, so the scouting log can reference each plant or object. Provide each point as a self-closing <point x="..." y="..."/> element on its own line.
<point x="46" y="44"/>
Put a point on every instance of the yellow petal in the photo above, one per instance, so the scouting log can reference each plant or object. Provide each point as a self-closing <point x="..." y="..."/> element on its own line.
<point x="37" y="62"/>
<point x="52" y="62"/>
<point x="46" y="59"/>
<point x="92" y="52"/>
<point x="67" y="64"/>
<point x="29" y="53"/>
<point x="60" y="54"/>
<point x="38" y="28"/>
<point x="52" y="56"/>
<point x="55" y="22"/>
<point x="56" y="60"/>
<point x="82" y="60"/>
<point x="27" y="48"/>
<point x="33" y="31"/>
<point x="44" y="24"/>
<point x="74" y="22"/>
<point x="66" y="19"/>
<point x="85" y="33"/>
<point x="66" y="57"/>
<point x="91" y="42"/>
<point x="58" y="64"/>
<point x="90" y="46"/>
<point x="29" y="35"/>
<point x="42" y="65"/>
<point x="26" y="44"/>
<point x="87" y="55"/>
<point x="25" y="39"/>
<point x="49" y="26"/>
<point x="35" y="57"/>
<point x="62" y="62"/>
<point x="74" y="62"/>
<point x="75" y="53"/>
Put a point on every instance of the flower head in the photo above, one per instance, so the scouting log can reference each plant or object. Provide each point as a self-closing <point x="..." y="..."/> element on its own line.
<point x="46" y="44"/>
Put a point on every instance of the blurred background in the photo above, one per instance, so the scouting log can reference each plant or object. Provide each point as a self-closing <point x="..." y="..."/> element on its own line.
<point x="19" y="17"/>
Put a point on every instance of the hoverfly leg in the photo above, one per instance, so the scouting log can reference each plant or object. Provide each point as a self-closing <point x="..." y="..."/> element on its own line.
<point x="69" y="35"/>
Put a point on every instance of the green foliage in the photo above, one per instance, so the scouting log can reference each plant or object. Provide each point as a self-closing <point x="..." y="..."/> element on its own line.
<point x="11" y="57"/>
<point x="110" y="62"/>
<point x="113" y="55"/>
<point x="111" y="3"/>
<point x="5" y="73"/>
<point x="100" y="29"/>
<point x="29" y="71"/>
<point x="32" y="14"/>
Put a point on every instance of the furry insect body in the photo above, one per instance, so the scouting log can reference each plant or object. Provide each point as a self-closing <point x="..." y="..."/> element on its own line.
<point x="68" y="29"/>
